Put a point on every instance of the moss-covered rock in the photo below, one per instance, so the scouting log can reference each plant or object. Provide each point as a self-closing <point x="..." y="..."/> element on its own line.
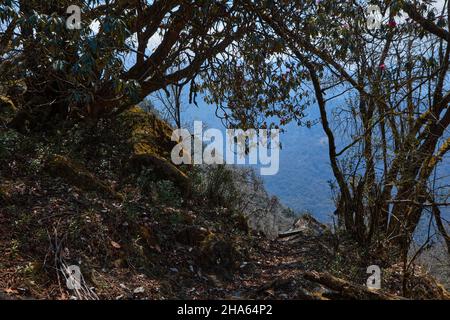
<point x="7" y="109"/>
<point x="219" y="255"/>
<point x="76" y="175"/>
<point x="5" y="196"/>
<point x="146" y="133"/>
<point x="150" y="141"/>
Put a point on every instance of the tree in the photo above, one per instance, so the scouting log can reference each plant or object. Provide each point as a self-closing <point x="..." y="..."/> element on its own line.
<point x="109" y="63"/>
<point x="262" y="63"/>
<point x="169" y="100"/>
<point x="396" y="115"/>
<point x="8" y="47"/>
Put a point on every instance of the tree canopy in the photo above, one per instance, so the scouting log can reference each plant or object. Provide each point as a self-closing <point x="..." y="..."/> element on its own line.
<point x="262" y="64"/>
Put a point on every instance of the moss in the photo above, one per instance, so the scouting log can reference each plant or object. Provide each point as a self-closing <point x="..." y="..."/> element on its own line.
<point x="219" y="255"/>
<point x="77" y="176"/>
<point x="5" y="197"/>
<point x="7" y="109"/>
<point x="150" y="142"/>
<point x="141" y="148"/>
<point x="146" y="132"/>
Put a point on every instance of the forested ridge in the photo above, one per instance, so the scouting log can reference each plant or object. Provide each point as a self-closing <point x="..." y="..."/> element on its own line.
<point x="87" y="114"/>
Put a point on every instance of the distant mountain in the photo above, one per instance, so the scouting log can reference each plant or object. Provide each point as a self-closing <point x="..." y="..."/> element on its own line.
<point x="302" y="181"/>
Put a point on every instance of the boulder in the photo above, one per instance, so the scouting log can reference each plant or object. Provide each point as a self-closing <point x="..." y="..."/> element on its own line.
<point x="151" y="145"/>
<point x="307" y="226"/>
<point x="219" y="256"/>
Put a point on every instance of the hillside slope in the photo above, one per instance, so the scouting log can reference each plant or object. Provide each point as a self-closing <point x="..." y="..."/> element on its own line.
<point x="105" y="198"/>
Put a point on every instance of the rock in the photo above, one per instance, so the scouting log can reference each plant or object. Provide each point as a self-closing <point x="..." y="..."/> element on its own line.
<point x="307" y="226"/>
<point x="147" y="133"/>
<point x="192" y="236"/>
<point x="219" y="255"/>
<point x="151" y="145"/>
<point x="310" y="226"/>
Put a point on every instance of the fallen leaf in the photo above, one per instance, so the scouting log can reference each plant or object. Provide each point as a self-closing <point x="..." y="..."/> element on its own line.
<point x="139" y="290"/>
<point x="11" y="291"/>
<point x="115" y="245"/>
<point x="270" y="292"/>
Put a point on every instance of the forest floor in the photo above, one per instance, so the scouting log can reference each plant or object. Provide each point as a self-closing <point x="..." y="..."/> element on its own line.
<point x="272" y="269"/>
<point x="96" y="199"/>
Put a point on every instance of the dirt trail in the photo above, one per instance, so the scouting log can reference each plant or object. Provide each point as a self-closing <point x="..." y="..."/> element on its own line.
<point x="275" y="269"/>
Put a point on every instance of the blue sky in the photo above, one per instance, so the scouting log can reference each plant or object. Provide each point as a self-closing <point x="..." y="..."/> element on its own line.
<point x="302" y="181"/>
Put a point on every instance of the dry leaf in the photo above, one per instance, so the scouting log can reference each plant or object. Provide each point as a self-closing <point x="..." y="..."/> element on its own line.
<point x="11" y="291"/>
<point x="270" y="292"/>
<point x="115" y="245"/>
